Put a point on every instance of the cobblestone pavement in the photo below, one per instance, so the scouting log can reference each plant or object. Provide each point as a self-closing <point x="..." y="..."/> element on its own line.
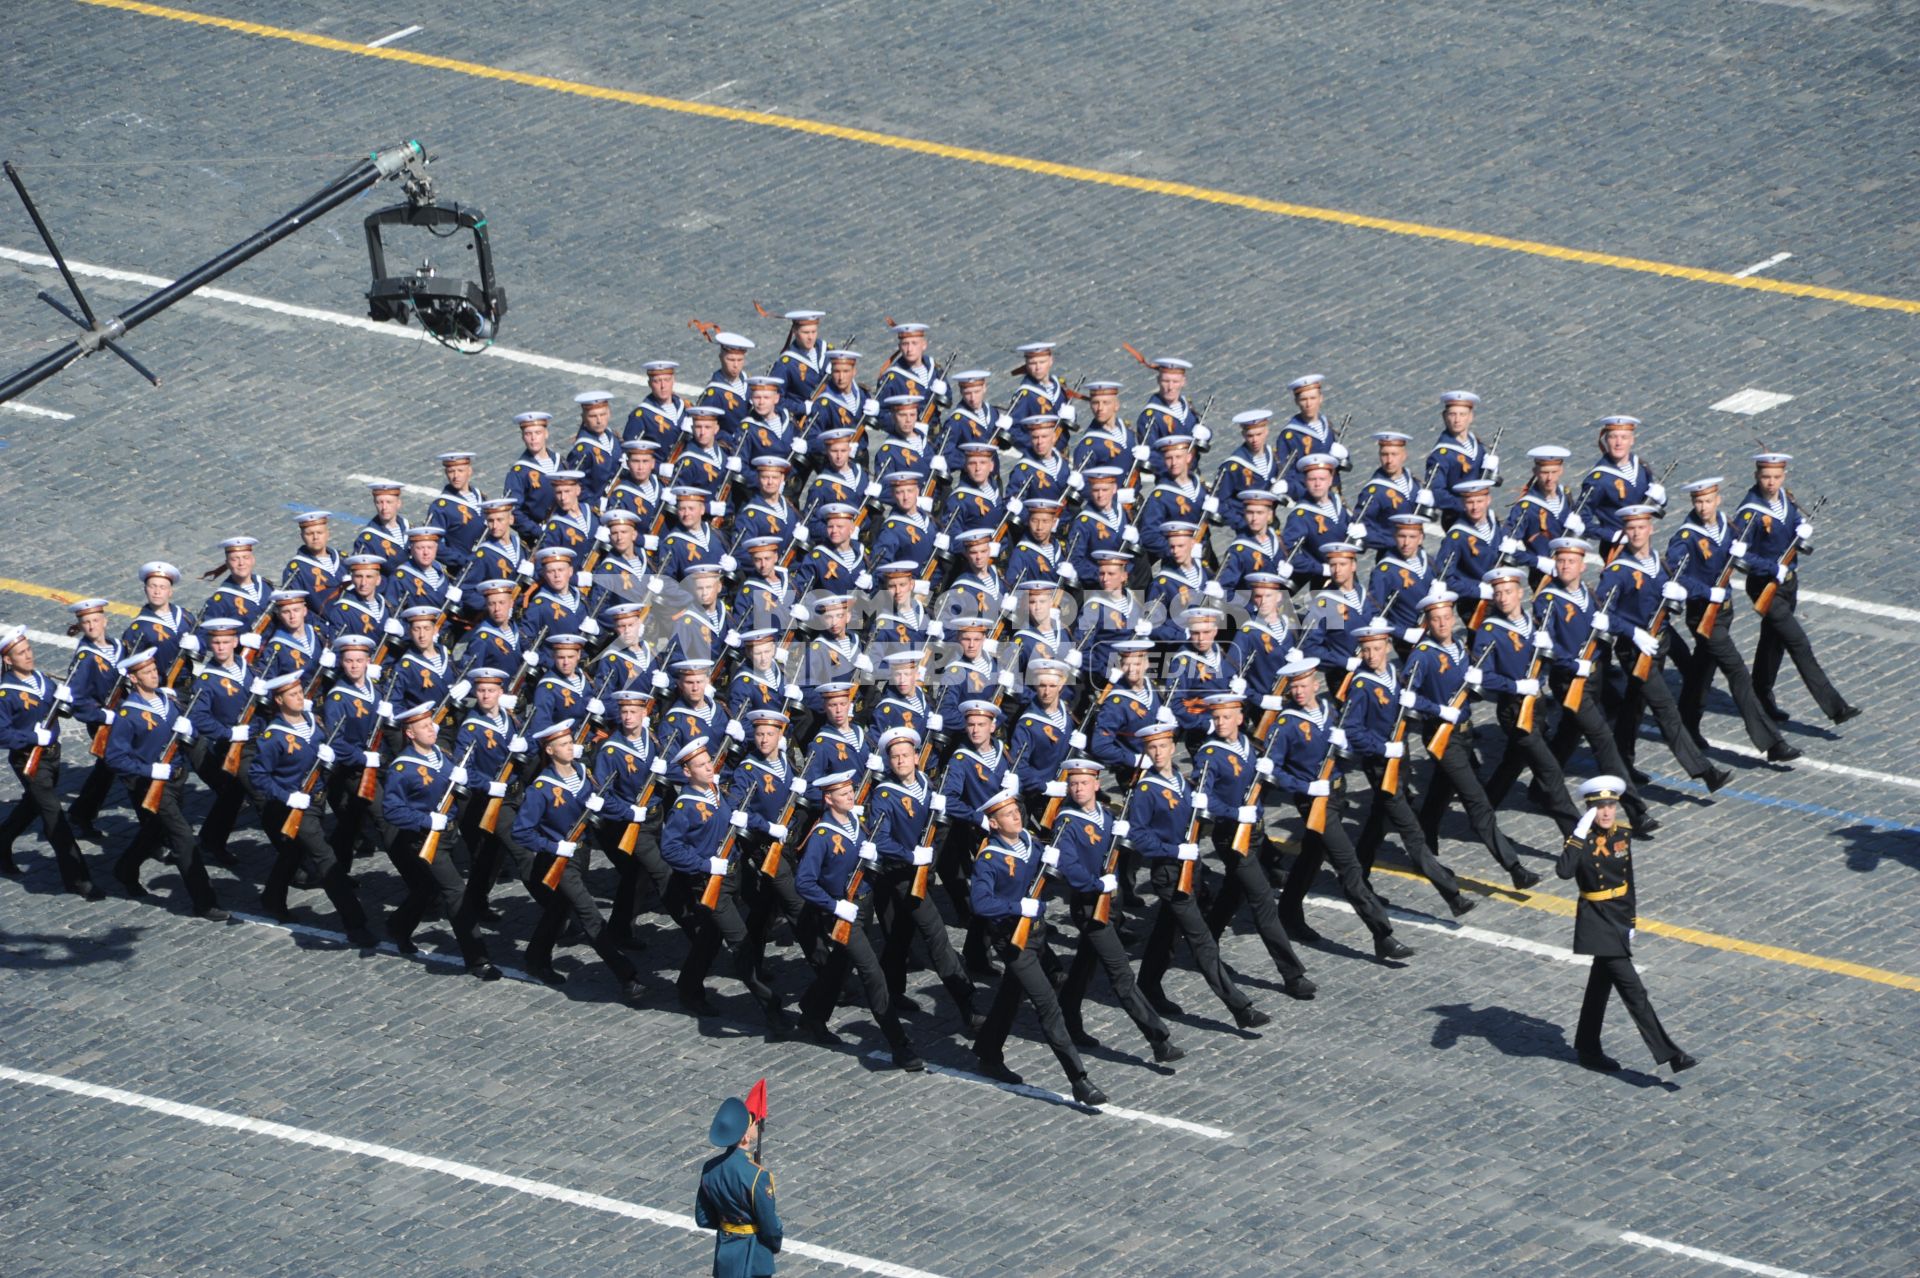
<point x="1421" y="1118"/>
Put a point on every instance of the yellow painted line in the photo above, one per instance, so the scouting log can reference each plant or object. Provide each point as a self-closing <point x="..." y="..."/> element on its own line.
<point x="1691" y="935"/>
<point x="11" y="586"/>
<point x="1027" y="164"/>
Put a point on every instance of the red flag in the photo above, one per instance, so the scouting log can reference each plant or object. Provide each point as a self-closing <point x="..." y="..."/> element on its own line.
<point x="757" y="1101"/>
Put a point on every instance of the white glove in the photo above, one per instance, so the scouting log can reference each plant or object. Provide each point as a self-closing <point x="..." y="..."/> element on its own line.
<point x="1582" y="667"/>
<point x="525" y="569"/>
<point x="1339" y="738"/>
<point x="384" y="709"/>
<point x="1527" y="687"/>
<point x="1142" y="628"/>
<point x="736" y="731"/>
<point x="584" y="579"/>
<point x="436" y="821"/>
<point x="1274" y="702"/>
<point x="1126" y="496"/>
<point x="460" y="689"/>
<point x="299" y="800"/>
<point x="1474" y="677"/>
<point x="1575" y="524"/>
<point x="458" y="775"/>
<point x="1121" y="829"/>
<point x="873" y="763"/>
<point x="716" y="865"/>
<point x="802" y="534"/>
<point x="564" y="848"/>
<point x="1490" y="463"/>
<point x="1645" y="642"/>
<point x="634" y="810"/>
<point x="369" y="758"/>
<point x="326" y="754"/>
<point x="1068" y="413"/>
<point x="846" y="911"/>
<point x="792" y="693"/>
<point x="1189" y="852"/>
<point x="942" y="542"/>
<point x="939" y="466"/>
<point x="863" y="581"/>
<point x="1353" y="663"/>
<point x="1129" y="535"/>
<point x="1542" y="641"/>
<point x="1247" y="814"/>
<point x="939" y="804"/>
<point x="1657" y="494"/>
<point x="1213" y="590"/>
<point x="923" y="854"/>
<point x="191" y="642"/>
<point x="160" y="771"/>
<point x="496" y="789"/>
<point x="1673" y="592"/>
<point x="1030" y="907"/>
<point x="872" y="489"/>
<point x="63" y="694"/>
<point x="601" y="535"/>
<point x="728" y="563"/>
<point x="1076" y="481"/>
<point x="595" y="706"/>
<point x="1716" y="594"/>
<point x="42" y="735"/>
<point x="1602" y="622"/>
<point x="1056" y="789"/>
<point x="1050" y="857"/>
<point x="1424" y="497"/>
<point x="1410" y="635"/>
<point x="1109" y="884"/>
<point x="595" y="803"/>
<point x="1356" y="532"/>
<point x="777" y="829"/>
<point x="870" y="409"/>
<point x="939" y="387"/>
<point x="1202" y="436"/>
<point x="1318" y="789"/>
<point x="1485" y="589"/>
<point x="1141" y="452"/>
<point x="508" y="701"/>
<point x="1007" y="680"/>
<point x="868" y="852"/>
<point x="733" y="465"/>
<point x="1782" y="571"/>
<point x="649" y="542"/>
<point x="1510" y="546"/>
<point x="589" y="627"/>
<point x="183" y="728"/>
<point x="1396" y="750"/>
<point x="1211" y="505"/>
<point x="1450" y="713"/>
<point x="1015" y="507"/>
<point x="1076" y="740"/>
<point x="529" y="658"/>
<point x="1263" y="767"/>
<point x="517" y="744"/>
<point x="1543" y="565"/>
<point x="1738" y="549"/>
<point x="1201" y="803"/>
<point x="1141" y="761"/>
<point x="1584" y="825"/>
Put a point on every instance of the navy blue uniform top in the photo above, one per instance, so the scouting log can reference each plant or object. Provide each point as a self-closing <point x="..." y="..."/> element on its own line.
<point x="141" y="730"/>
<point x="622" y="767"/>
<point x="1566" y="613"/>
<point x="23" y="704"/>
<point x="1608" y="486"/>
<point x="1374" y="708"/>
<point x="1042" y="740"/>
<point x="974" y="775"/>
<point x="1160" y="812"/>
<point x="485" y="741"/>
<point x="1434" y="673"/>
<point x="224" y="693"/>
<point x="552" y="807"/>
<point x="1631" y="587"/>
<point x="93" y="680"/>
<point x="1003" y="872"/>
<point x="283" y="754"/>
<point x="1771" y="532"/>
<point x="159" y="630"/>
<point x="416" y="781"/>
<point x="828" y="860"/>
<point x="1454" y="460"/>
<point x="1230" y="767"/>
<point x="1298" y="746"/>
<point x="1085" y="840"/>
<point x="695" y="828"/>
<point x="899" y="814"/>
<point x="1512" y="653"/>
<point x="761" y="787"/>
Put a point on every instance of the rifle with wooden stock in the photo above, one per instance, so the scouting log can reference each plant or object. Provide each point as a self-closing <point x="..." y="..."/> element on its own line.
<point x="431" y="847"/>
<point x="557" y="871"/>
<point x="1710" y="617"/>
<point x="290" y="828"/>
<point x="1764" y="603"/>
<point x="1643" y="663"/>
<point x="1444" y="733"/>
<point x="50" y="720"/>
<point x="1193" y="831"/>
<point x="1317" y="811"/>
<point x="156" y="788"/>
<point x="1577" y="687"/>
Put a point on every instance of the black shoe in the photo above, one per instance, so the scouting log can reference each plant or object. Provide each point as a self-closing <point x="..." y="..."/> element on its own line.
<point x="1715" y="778"/>
<point x="1782" y="752"/>
<point x="487" y="914"/>
<point x="1600" y="1061"/>
<point x="907" y="1003"/>
<point x="1775" y="713"/>
<point x="304" y="880"/>
<point x="1683" y="1062"/>
<point x="976" y="1021"/>
<point x="633" y="993"/>
<point x="697" y="1002"/>
<point x="1637" y="776"/>
<point x="1086" y="1093"/>
<point x="1299" y="933"/>
<point x="220" y="856"/>
<point x="1846" y="713"/>
<point x="1166" y="1051"/>
<point x="1646" y="824"/>
<point x="1523" y="878"/>
<point x="1300" y="987"/>
<point x="1159" y="1002"/>
<point x="997" y="1069"/>
<point x="1461" y="904"/>
<point x="212" y="914"/>
<point x="1080" y="1038"/>
<point x="88" y="830"/>
<point x="279" y="913"/>
<point x="361" y="938"/>
<point x="129" y="879"/>
<point x="546" y="974"/>
<point x="909" y="1060"/>
<point x="818" y="1032"/>
<point x="484" y="970"/>
<point x="1250" y="1017"/>
<point x="403" y="944"/>
<point x="1388" y="948"/>
<point x="91" y="892"/>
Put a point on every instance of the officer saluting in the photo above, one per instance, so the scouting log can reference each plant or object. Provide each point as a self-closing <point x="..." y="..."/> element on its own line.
<point x="736" y="1198"/>
<point x="1597" y="857"/>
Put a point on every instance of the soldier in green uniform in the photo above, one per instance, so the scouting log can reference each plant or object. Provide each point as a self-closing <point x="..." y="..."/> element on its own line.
<point x="1598" y="858"/>
<point x="736" y="1198"/>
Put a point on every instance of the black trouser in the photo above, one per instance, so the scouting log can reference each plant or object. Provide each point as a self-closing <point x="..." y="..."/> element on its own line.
<point x="1331" y="845"/>
<point x="426" y="883"/>
<point x="40" y="798"/>
<point x="165" y="825"/>
<point x="1527" y="748"/>
<point x="823" y="995"/>
<point x="1781" y="635"/>
<point x="487" y="854"/>
<point x="309" y="845"/>
<point x="903" y="916"/>
<point x="1244" y="878"/>
<point x="1653" y="694"/>
<point x="642" y="868"/>
<point x="1718" y="650"/>
<point x="1394" y="810"/>
<point x="1178" y="915"/>
<point x="1587" y="723"/>
<point x="1454" y="776"/>
<point x="709" y="929"/>
<point x="352" y="815"/>
<point x="777" y="893"/>
<point x="953" y="861"/>
<point x="569" y="901"/>
<point x="85" y="808"/>
<point x="1100" y="947"/>
<point x="1611" y="973"/>
<point x="228" y="792"/>
<point x="1025" y="974"/>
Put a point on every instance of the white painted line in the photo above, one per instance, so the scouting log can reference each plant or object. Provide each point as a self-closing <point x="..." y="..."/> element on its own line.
<point x="224" y="1120"/>
<point x="1891" y="612"/>
<point x="1758" y="267"/>
<point x="1714" y="1257"/>
<point x="592" y="372"/>
<point x="715" y="89"/>
<point x="1055" y="1098"/>
<point x="1816" y="765"/>
<point x="1465" y="932"/>
<point x="48" y="637"/>
<point x="418" y="489"/>
<point x="401" y="34"/>
<point x="15" y="406"/>
<point x="1751" y="401"/>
